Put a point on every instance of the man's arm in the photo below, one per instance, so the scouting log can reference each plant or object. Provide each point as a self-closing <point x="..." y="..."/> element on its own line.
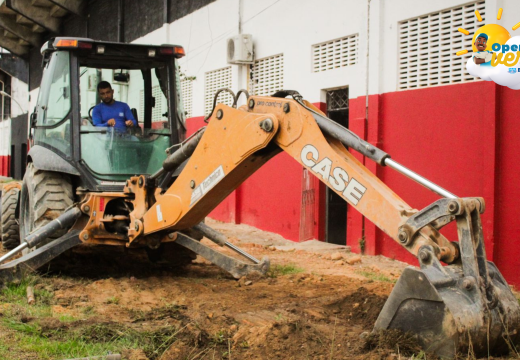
<point x="129" y="115"/>
<point x="97" y="120"/>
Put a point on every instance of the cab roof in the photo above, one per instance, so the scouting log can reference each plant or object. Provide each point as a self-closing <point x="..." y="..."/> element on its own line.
<point x="113" y="54"/>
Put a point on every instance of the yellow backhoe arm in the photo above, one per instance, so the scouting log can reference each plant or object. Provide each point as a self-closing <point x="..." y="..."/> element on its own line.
<point x="450" y="308"/>
<point x="238" y="142"/>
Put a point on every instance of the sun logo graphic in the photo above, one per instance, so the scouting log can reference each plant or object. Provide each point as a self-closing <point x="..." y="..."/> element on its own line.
<point x="496" y="54"/>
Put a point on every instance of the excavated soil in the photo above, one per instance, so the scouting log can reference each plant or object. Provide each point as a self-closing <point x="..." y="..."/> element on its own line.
<point x="201" y="312"/>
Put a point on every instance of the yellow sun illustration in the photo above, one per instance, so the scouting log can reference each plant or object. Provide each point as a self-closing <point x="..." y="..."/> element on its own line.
<point x="496" y="33"/>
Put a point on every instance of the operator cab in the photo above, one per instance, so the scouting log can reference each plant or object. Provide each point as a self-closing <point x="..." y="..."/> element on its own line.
<point x="143" y="76"/>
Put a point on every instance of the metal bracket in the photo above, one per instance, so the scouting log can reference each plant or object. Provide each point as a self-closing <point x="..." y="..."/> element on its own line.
<point x="466" y="212"/>
<point x="437" y="215"/>
<point x="235" y="267"/>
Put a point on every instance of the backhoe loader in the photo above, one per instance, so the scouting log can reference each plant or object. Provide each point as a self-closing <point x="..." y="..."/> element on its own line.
<point x="133" y="195"/>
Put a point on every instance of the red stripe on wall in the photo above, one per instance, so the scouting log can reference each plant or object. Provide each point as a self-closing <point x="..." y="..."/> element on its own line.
<point x="506" y="189"/>
<point x="441" y="134"/>
<point x="5" y="163"/>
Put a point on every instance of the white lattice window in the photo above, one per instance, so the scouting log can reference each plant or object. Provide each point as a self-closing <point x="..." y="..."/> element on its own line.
<point x="335" y="54"/>
<point x="157" y="110"/>
<point x="215" y="80"/>
<point x="267" y="76"/>
<point x="141" y="106"/>
<point x="428" y="46"/>
<point x="187" y="95"/>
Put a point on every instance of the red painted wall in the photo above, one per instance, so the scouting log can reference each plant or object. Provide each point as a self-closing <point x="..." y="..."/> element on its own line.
<point x="271" y="198"/>
<point x="507" y="191"/>
<point x="470" y="150"/>
<point x="5" y="163"/>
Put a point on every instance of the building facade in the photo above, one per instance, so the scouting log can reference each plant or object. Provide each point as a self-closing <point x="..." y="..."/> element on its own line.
<point x="386" y="69"/>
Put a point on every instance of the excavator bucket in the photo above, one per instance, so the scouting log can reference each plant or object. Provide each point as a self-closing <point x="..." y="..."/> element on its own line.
<point x="465" y="308"/>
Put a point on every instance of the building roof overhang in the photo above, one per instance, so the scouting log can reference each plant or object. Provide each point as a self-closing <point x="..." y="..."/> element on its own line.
<point x="22" y="22"/>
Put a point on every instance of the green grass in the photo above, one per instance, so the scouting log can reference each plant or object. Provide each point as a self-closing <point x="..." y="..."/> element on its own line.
<point x="15" y="295"/>
<point x="375" y="277"/>
<point x="420" y="356"/>
<point x="23" y="330"/>
<point x="280" y="270"/>
<point x="73" y="347"/>
<point x="113" y="300"/>
<point x="96" y="339"/>
<point x="67" y="318"/>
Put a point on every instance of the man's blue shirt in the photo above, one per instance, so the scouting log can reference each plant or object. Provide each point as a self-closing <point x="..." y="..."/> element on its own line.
<point x="119" y="111"/>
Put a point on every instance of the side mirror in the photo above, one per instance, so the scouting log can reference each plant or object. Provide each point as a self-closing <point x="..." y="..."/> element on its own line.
<point x="122" y="77"/>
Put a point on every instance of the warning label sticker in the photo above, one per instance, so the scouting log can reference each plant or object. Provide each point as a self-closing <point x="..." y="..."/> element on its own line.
<point x="207" y="184"/>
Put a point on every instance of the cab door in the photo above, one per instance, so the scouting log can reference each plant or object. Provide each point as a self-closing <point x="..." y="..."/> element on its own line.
<point x="51" y="122"/>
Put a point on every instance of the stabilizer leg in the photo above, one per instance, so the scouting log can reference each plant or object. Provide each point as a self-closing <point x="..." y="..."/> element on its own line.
<point x="235" y="267"/>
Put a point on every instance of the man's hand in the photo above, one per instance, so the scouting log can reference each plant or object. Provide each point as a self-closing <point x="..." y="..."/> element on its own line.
<point x="478" y="61"/>
<point x="129" y="123"/>
<point x="111" y="122"/>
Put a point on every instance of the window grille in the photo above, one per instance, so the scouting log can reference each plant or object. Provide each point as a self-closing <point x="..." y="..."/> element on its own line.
<point x="335" y="54"/>
<point x="428" y="46"/>
<point x="157" y="110"/>
<point x="337" y="100"/>
<point x="267" y="76"/>
<point x="187" y="95"/>
<point x="215" y="80"/>
<point x="141" y="106"/>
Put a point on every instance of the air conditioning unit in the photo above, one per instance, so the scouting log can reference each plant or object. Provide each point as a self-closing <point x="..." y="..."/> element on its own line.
<point x="240" y="50"/>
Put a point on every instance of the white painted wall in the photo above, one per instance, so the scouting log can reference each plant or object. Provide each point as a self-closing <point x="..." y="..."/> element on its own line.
<point x="291" y="27"/>
<point x="384" y="49"/>
<point x="20" y="93"/>
<point x="5" y="137"/>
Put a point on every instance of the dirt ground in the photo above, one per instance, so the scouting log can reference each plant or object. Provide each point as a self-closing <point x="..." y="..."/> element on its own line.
<point x="316" y="303"/>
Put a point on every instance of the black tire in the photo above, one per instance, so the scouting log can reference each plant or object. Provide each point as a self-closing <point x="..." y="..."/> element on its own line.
<point x="45" y="195"/>
<point x="8" y="223"/>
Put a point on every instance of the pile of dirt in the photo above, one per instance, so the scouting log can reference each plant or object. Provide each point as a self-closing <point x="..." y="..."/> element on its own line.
<point x="361" y="307"/>
<point x="392" y="342"/>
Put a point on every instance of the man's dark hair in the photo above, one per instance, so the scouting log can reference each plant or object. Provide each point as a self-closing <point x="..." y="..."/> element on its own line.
<point x="103" y="85"/>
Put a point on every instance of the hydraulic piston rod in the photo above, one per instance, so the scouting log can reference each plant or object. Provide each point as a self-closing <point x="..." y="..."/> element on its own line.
<point x="419" y="179"/>
<point x="64" y="221"/>
<point x="351" y="140"/>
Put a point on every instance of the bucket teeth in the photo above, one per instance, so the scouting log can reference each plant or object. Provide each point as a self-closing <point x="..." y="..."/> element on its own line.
<point x="452" y="316"/>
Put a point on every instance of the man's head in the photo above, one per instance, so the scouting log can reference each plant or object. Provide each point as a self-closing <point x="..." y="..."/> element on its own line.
<point x="481" y="42"/>
<point x="105" y="92"/>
